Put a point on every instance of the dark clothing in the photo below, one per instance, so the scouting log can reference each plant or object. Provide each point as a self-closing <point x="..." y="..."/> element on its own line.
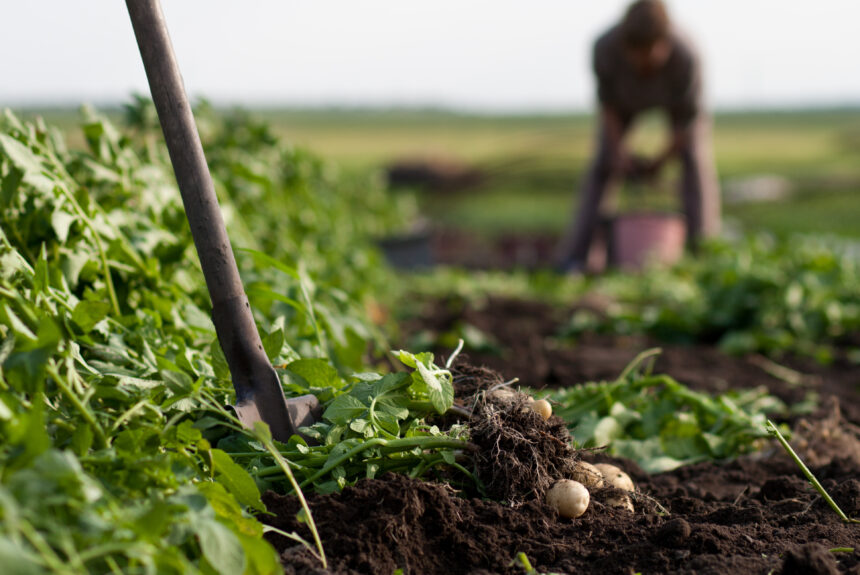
<point x="675" y="88"/>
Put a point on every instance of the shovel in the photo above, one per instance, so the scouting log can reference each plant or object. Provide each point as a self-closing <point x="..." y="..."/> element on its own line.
<point x="259" y="396"/>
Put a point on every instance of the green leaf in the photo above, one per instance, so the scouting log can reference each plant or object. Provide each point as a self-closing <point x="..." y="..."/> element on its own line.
<point x="18" y="560"/>
<point x="315" y="372"/>
<point x="607" y="430"/>
<point x="273" y="343"/>
<point x="88" y="313"/>
<point x="219" y="362"/>
<point x="343" y="409"/>
<point x="82" y="440"/>
<point x="40" y="275"/>
<point x="62" y="222"/>
<point x="393" y="406"/>
<point x="20" y="155"/>
<point x="262" y="557"/>
<point x="220" y="547"/>
<point x="439" y="389"/>
<point x="9" y="187"/>
<point x="227" y="508"/>
<point x="25" y="366"/>
<point x="178" y="382"/>
<point x="237" y="481"/>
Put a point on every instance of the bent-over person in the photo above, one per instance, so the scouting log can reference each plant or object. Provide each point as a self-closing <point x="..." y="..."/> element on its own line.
<point x="645" y="63"/>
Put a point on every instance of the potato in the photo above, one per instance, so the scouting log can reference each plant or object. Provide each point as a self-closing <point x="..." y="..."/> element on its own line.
<point x="542" y="408"/>
<point x="588" y="475"/>
<point x="620" y="501"/>
<point x="615" y="477"/>
<point x="503" y="395"/>
<point x="569" y="498"/>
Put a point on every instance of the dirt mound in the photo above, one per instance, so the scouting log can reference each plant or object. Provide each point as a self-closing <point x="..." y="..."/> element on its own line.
<point x="754" y="515"/>
<point x="749" y="516"/>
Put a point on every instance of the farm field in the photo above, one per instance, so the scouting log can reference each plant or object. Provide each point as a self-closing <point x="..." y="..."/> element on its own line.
<point x="534" y="163"/>
<point x="118" y="455"/>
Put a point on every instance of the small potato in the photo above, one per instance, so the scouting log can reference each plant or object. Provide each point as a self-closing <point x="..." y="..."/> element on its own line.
<point x="621" y="501"/>
<point x="588" y="475"/>
<point x="542" y="408"/>
<point x="615" y="477"/>
<point x="569" y="498"/>
<point x="503" y="395"/>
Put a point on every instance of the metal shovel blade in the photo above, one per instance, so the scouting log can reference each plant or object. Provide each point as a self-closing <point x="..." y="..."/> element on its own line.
<point x="303" y="412"/>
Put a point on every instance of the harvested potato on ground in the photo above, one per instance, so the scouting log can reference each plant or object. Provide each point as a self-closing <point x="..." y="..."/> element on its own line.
<point x="542" y="408"/>
<point x="588" y="475"/>
<point x="569" y="498"/>
<point x="620" y="501"/>
<point x="615" y="477"/>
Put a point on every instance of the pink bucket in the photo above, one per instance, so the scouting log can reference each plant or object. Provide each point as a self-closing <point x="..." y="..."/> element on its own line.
<point x="647" y="238"/>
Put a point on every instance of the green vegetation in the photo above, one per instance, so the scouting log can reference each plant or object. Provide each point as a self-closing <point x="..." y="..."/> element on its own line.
<point x="114" y="438"/>
<point x="761" y="295"/>
<point x="660" y="423"/>
<point x="117" y="453"/>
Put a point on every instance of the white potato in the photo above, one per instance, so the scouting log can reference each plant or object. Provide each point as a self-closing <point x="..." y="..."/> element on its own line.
<point x="569" y="498"/>
<point x="588" y="475"/>
<point x="615" y="477"/>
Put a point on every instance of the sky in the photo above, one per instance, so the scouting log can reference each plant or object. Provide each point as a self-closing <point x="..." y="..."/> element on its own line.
<point x="491" y="55"/>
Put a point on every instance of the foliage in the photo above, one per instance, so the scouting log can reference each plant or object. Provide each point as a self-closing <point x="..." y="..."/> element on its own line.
<point x="112" y="384"/>
<point x="800" y="295"/>
<point x="372" y="424"/>
<point x="662" y="424"/>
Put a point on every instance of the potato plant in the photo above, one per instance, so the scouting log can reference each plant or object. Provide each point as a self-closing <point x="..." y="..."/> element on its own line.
<point x="115" y="447"/>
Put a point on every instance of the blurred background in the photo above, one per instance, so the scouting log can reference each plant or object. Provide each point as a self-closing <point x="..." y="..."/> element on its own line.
<point x="482" y="111"/>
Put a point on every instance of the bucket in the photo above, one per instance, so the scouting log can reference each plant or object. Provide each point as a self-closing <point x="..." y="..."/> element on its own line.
<point x="647" y="238"/>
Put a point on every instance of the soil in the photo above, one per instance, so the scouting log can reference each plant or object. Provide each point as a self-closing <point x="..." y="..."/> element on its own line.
<point x="756" y="514"/>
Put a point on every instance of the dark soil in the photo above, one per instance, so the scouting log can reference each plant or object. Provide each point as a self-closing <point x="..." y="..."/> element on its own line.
<point x="756" y="514"/>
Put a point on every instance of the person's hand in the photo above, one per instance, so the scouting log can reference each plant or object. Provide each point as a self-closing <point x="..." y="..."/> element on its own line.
<point x="622" y="161"/>
<point x="645" y="169"/>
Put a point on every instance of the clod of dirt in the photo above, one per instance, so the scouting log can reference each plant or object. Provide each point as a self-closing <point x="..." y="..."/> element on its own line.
<point x="810" y="559"/>
<point x="674" y="532"/>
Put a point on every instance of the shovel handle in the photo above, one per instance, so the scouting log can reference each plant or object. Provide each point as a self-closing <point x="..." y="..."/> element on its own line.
<point x="186" y="151"/>
<point x="254" y="378"/>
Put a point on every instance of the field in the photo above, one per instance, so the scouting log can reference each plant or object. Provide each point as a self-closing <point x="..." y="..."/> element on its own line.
<point x="542" y="158"/>
<point x="710" y="383"/>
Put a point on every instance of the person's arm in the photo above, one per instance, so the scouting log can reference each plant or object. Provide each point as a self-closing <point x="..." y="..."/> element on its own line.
<point x="683" y="108"/>
<point x="621" y="161"/>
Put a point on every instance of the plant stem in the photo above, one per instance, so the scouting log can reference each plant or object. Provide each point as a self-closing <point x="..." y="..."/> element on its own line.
<point x="98" y="431"/>
<point x="392" y="445"/>
<point x="812" y="479"/>
<point x="99" y="245"/>
<point x="270" y="447"/>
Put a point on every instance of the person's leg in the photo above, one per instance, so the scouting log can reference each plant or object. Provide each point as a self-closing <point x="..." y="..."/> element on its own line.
<point x="700" y="188"/>
<point x="573" y="248"/>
